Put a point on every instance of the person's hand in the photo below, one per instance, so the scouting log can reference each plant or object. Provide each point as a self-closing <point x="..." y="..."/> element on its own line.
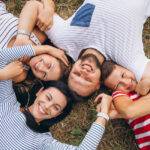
<point x="21" y="77"/>
<point x="103" y="103"/>
<point x="143" y="87"/>
<point x="113" y="113"/>
<point x="60" y="54"/>
<point x="12" y="70"/>
<point x="55" y="52"/>
<point x="22" y="40"/>
<point x="45" y="18"/>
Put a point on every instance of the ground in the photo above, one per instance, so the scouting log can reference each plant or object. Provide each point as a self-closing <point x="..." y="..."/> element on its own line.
<point x="118" y="135"/>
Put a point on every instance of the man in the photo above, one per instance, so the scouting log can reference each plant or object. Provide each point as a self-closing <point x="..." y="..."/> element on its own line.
<point x="114" y="29"/>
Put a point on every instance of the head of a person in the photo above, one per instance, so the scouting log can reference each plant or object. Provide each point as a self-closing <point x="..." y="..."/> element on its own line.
<point x="48" y="103"/>
<point x="116" y="77"/>
<point x="47" y="68"/>
<point x="85" y="76"/>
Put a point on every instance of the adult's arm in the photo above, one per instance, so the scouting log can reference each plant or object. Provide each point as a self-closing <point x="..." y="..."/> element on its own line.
<point x="130" y="109"/>
<point x="94" y="135"/>
<point x="28" y="16"/>
<point x="90" y="142"/>
<point x="45" y="16"/>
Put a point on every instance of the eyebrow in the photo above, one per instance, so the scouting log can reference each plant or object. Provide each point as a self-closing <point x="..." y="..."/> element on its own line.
<point x="49" y="96"/>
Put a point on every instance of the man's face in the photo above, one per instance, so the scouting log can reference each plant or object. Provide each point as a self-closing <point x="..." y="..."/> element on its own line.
<point x="84" y="78"/>
<point x="121" y="79"/>
<point x="45" y="67"/>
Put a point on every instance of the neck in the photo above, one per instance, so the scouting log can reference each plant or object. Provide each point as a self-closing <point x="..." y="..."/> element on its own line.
<point x="99" y="56"/>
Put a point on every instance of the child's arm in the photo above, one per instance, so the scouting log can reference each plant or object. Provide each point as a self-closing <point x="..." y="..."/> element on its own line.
<point x="11" y="70"/>
<point x="132" y="109"/>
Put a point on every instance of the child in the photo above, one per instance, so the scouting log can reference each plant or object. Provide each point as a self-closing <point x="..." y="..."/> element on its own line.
<point x="128" y="103"/>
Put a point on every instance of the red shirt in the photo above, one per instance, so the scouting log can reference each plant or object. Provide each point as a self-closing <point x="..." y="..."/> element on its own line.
<point x="140" y="126"/>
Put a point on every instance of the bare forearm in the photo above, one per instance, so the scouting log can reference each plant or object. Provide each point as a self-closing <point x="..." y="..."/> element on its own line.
<point x="28" y="16"/>
<point x="48" y="4"/>
<point x="1" y="74"/>
<point x="133" y="109"/>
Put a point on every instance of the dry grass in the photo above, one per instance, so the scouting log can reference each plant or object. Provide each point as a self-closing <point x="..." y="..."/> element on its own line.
<point x="118" y="135"/>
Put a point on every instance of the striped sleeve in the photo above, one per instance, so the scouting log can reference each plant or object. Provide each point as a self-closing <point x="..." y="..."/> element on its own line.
<point x="90" y="142"/>
<point x="9" y="54"/>
<point x="2" y="8"/>
<point x="118" y="94"/>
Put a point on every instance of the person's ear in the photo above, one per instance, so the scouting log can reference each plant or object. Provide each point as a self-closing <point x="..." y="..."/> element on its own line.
<point x="40" y="91"/>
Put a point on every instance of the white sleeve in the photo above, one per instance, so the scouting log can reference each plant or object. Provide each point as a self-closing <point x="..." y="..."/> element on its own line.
<point x="148" y="9"/>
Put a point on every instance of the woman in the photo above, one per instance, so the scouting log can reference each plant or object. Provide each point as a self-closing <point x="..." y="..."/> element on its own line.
<point x="45" y="67"/>
<point x="49" y="103"/>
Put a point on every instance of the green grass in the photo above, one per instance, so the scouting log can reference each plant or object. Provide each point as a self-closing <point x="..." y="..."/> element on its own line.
<point x="118" y="135"/>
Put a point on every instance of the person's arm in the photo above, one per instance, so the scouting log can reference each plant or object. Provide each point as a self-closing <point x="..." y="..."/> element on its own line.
<point x="34" y="11"/>
<point x="143" y="86"/>
<point x="94" y="135"/>
<point x="45" y="15"/>
<point x="11" y="70"/>
<point x="130" y="109"/>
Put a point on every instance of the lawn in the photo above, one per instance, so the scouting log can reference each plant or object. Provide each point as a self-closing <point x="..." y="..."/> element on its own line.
<point x="118" y="135"/>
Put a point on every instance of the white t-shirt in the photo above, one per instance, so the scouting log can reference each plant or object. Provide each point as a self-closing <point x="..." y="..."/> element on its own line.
<point x="112" y="27"/>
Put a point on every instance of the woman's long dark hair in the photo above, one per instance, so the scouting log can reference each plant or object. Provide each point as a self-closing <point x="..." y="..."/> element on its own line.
<point x="28" y="98"/>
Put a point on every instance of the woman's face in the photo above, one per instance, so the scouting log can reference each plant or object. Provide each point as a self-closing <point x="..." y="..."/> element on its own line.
<point x="48" y="104"/>
<point x="45" y="67"/>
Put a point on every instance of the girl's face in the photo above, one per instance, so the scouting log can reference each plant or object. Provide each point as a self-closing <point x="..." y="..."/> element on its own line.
<point x="48" y="104"/>
<point x="45" y="67"/>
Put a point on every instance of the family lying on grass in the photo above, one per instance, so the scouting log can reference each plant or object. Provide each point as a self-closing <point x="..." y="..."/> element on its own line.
<point x="99" y="31"/>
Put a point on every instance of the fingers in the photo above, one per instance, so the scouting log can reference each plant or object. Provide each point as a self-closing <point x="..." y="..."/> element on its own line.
<point x="64" y="59"/>
<point x="143" y="87"/>
<point x="99" y="98"/>
<point x="41" y="26"/>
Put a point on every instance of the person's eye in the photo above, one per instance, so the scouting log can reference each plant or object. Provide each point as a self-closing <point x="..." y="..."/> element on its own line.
<point x="44" y="75"/>
<point x="56" y="108"/>
<point x="77" y="73"/>
<point x="49" y="66"/>
<point x="123" y="75"/>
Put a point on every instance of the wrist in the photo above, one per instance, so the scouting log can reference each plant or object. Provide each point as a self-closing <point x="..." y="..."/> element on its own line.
<point x="103" y="115"/>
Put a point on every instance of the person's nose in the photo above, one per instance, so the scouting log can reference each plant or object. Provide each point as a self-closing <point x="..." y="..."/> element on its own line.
<point x="126" y="82"/>
<point x="48" y="106"/>
<point x="84" y="72"/>
<point x="42" y="67"/>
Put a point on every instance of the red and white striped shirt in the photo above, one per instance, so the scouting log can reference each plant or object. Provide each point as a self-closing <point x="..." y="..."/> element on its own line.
<point x="140" y="126"/>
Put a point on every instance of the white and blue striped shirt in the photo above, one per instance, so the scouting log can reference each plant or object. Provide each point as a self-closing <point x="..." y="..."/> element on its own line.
<point x="14" y="133"/>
